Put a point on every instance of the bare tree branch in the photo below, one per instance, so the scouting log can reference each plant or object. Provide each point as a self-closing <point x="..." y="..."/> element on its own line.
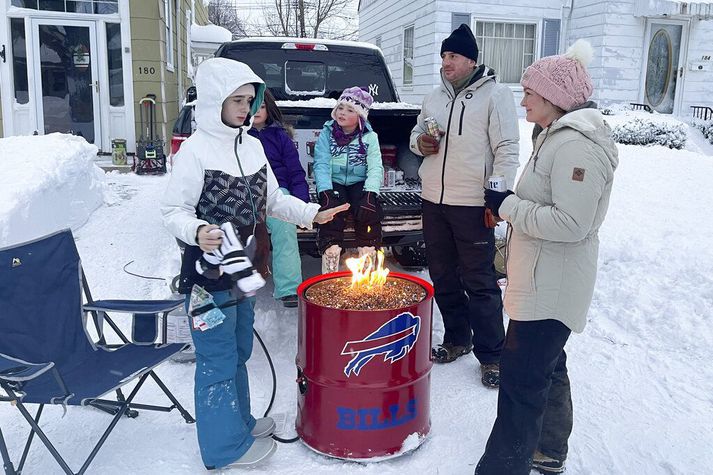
<point x="310" y="18"/>
<point x="223" y="13"/>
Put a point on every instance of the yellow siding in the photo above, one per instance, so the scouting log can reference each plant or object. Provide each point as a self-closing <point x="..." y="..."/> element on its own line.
<point x="148" y="46"/>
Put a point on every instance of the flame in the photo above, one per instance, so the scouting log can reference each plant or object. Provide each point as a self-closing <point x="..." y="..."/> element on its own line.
<point x="365" y="275"/>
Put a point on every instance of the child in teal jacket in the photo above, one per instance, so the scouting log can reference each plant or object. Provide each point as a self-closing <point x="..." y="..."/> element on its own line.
<point x="348" y="169"/>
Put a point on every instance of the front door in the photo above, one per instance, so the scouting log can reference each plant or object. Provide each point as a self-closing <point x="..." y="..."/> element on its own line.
<point x="664" y="65"/>
<point x="66" y="79"/>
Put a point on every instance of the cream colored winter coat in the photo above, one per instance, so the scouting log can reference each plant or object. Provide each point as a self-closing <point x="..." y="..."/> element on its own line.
<point x="559" y="204"/>
<point x="481" y="139"/>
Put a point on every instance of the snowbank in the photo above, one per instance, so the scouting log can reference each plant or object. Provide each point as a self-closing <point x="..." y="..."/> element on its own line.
<point x="48" y="182"/>
<point x="210" y="34"/>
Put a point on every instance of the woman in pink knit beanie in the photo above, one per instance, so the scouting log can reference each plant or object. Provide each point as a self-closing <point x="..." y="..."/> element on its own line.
<point x="554" y="216"/>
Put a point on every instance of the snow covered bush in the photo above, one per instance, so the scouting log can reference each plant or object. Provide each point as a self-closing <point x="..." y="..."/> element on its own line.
<point x="640" y="131"/>
<point x="706" y="128"/>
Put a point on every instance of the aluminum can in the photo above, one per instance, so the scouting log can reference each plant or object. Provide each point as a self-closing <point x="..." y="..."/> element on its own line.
<point x="432" y="127"/>
<point x="497" y="183"/>
<point x="391" y="178"/>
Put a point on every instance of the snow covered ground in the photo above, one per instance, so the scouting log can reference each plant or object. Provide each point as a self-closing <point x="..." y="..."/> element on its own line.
<point x="642" y="378"/>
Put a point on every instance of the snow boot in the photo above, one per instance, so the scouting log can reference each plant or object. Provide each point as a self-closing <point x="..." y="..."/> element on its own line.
<point x="546" y="465"/>
<point x="264" y="427"/>
<point x="370" y="251"/>
<point x="490" y="375"/>
<point x="330" y="259"/>
<point x="447" y="352"/>
<point x="289" y="301"/>
<point x="260" y="450"/>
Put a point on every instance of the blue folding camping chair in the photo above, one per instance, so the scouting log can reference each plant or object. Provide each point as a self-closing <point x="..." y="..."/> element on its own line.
<point x="46" y="354"/>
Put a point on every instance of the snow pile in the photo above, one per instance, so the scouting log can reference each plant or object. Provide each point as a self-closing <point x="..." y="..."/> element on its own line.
<point x="706" y="128"/>
<point x="48" y="182"/>
<point x="640" y="131"/>
<point x="210" y="34"/>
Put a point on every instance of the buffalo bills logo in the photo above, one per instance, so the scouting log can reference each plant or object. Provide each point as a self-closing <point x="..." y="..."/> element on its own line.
<point x="394" y="339"/>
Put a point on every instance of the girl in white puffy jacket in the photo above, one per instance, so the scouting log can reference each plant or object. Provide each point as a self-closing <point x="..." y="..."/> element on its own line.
<point x="221" y="175"/>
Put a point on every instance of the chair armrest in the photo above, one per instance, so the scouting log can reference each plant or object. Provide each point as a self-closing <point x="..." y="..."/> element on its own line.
<point x="145" y="317"/>
<point x="17" y="370"/>
<point x="134" y="306"/>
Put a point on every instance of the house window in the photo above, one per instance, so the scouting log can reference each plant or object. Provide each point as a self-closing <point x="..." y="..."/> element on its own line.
<point x="457" y="19"/>
<point x="508" y="48"/>
<point x="70" y="6"/>
<point x="550" y="37"/>
<point x="168" y="10"/>
<point x="19" y="60"/>
<point x="408" y="56"/>
<point x="116" y="75"/>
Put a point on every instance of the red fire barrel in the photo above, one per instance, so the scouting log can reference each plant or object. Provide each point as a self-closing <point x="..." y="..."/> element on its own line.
<point x="364" y="376"/>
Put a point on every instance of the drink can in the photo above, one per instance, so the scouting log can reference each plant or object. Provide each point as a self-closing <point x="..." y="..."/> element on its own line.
<point x="391" y="178"/>
<point x="432" y="127"/>
<point x="497" y="183"/>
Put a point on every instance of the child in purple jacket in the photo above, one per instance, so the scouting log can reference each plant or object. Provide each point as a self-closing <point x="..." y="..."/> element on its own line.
<point x="285" y="162"/>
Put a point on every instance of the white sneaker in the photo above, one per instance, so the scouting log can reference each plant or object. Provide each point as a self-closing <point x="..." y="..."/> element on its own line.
<point x="261" y="450"/>
<point x="264" y="427"/>
<point x="330" y="259"/>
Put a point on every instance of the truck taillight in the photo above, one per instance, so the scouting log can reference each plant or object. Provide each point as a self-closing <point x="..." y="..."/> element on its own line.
<point x="305" y="46"/>
<point x="176" y="142"/>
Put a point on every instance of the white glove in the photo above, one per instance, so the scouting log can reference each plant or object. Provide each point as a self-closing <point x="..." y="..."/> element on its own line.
<point x="235" y="261"/>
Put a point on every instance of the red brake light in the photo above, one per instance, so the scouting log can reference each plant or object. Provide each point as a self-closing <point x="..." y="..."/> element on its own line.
<point x="304" y="46"/>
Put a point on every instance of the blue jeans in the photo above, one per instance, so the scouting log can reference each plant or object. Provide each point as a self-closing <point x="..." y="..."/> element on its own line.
<point x="286" y="262"/>
<point x="222" y="393"/>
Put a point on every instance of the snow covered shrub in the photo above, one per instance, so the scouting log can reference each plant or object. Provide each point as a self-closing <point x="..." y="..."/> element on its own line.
<point x="647" y="132"/>
<point x="706" y="128"/>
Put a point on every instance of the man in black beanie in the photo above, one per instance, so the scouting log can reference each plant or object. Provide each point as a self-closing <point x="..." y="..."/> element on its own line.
<point x="478" y="137"/>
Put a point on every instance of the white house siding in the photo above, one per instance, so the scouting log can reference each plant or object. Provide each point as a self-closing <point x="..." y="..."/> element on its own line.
<point x="619" y="43"/>
<point x="698" y="85"/>
<point x="388" y="20"/>
<point x="432" y="21"/>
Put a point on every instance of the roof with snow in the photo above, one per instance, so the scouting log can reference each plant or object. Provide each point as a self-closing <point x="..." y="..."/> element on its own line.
<point x="210" y="34"/>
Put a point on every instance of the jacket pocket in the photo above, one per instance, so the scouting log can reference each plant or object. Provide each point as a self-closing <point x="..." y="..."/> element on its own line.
<point x="460" y="120"/>
<point x="533" y="269"/>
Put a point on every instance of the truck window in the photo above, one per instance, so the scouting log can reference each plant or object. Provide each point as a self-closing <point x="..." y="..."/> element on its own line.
<point x="292" y="75"/>
<point x="303" y="77"/>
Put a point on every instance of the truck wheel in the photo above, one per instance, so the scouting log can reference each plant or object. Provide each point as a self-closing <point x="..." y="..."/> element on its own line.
<point x="411" y="256"/>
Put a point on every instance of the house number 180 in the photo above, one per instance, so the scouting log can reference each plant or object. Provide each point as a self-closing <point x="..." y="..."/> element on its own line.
<point x="147" y="70"/>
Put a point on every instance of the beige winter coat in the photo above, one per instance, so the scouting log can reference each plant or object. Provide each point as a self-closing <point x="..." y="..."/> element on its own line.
<point x="482" y="138"/>
<point x="555" y="214"/>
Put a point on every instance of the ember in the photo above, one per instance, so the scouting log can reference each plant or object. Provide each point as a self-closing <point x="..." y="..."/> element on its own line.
<point x="339" y="293"/>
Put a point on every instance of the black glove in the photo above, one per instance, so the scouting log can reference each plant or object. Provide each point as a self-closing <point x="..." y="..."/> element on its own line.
<point x="329" y="199"/>
<point x="493" y="199"/>
<point x="208" y="265"/>
<point x="367" y="211"/>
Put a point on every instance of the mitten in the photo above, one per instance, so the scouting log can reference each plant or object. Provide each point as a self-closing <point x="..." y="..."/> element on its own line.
<point x="367" y="211"/>
<point x="493" y="199"/>
<point x="329" y="199"/>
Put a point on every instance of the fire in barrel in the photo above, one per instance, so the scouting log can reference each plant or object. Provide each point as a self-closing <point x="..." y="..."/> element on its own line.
<point x="364" y="361"/>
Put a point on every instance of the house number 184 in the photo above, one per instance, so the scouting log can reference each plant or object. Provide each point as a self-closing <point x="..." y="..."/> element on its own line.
<point x="147" y="70"/>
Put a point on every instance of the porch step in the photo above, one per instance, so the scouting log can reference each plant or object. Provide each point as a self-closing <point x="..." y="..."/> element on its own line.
<point x="108" y="166"/>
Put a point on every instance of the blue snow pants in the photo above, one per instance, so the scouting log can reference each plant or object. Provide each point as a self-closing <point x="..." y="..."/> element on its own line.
<point x="222" y="393"/>
<point x="286" y="262"/>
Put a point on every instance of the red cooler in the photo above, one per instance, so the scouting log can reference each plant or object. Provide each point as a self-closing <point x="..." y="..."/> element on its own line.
<point x="364" y="376"/>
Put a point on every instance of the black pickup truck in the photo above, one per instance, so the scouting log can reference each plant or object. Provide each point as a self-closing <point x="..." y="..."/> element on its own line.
<point x="306" y="76"/>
